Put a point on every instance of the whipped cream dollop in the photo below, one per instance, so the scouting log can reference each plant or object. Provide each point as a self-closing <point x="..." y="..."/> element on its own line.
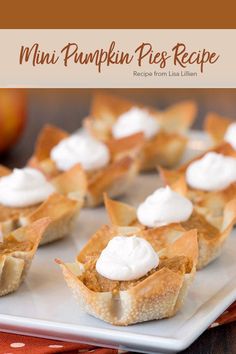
<point x="127" y="258"/>
<point x="164" y="207"/>
<point x="230" y="135"/>
<point x="24" y="187"/>
<point x="212" y="172"/>
<point x="80" y="148"/>
<point x="134" y="121"/>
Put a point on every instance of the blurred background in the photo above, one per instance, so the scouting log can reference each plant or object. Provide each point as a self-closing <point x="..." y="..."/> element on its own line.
<point x="24" y="112"/>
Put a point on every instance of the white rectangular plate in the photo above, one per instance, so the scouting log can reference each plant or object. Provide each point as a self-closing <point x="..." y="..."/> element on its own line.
<point x="44" y="306"/>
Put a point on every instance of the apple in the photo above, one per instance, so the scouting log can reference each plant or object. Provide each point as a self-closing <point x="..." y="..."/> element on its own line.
<point x="12" y="117"/>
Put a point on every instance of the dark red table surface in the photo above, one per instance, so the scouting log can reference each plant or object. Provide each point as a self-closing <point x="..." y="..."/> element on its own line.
<point x="66" y="108"/>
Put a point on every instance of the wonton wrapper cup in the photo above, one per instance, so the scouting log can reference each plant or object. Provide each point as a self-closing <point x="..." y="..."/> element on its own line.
<point x="62" y="209"/>
<point x="159" y="295"/>
<point x="115" y="178"/>
<point x="216" y="126"/>
<point x="218" y="208"/>
<point x="165" y="148"/>
<point x="14" y="264"/>
<point x="208" y="203"/>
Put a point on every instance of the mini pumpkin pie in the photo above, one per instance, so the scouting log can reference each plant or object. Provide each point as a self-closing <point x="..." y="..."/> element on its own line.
<point x="165" y="213"/>
<point x="164" y="131"/>
<point x="17" y="250"/>
<point x="109" y="167"/>
<point x="26" y="196"/>
<point x="123" y="277"/>
<point x="209" y="181"/>
<point x="220" y="129"/>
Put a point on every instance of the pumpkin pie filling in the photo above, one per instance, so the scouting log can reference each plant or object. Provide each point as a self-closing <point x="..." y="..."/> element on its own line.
<point x="11" y="245"/>
<point x="97" y="283"/>
<point x="205" y="229"/>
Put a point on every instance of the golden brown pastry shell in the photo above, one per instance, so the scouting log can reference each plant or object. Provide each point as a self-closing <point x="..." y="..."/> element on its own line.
<point x="160" y="295"/>
<point x="15" y="262"/>
<point x="218" y="208"/>
<point x="165" y="148"/>
<point x="115" y="178"/>
<point x="62" y="209"/>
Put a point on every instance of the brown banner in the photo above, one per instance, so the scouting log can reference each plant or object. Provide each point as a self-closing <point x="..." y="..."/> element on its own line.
<point x="118" y="14"/>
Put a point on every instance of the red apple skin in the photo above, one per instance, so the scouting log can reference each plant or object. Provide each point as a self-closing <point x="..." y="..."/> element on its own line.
<point x="12" y="117"/>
